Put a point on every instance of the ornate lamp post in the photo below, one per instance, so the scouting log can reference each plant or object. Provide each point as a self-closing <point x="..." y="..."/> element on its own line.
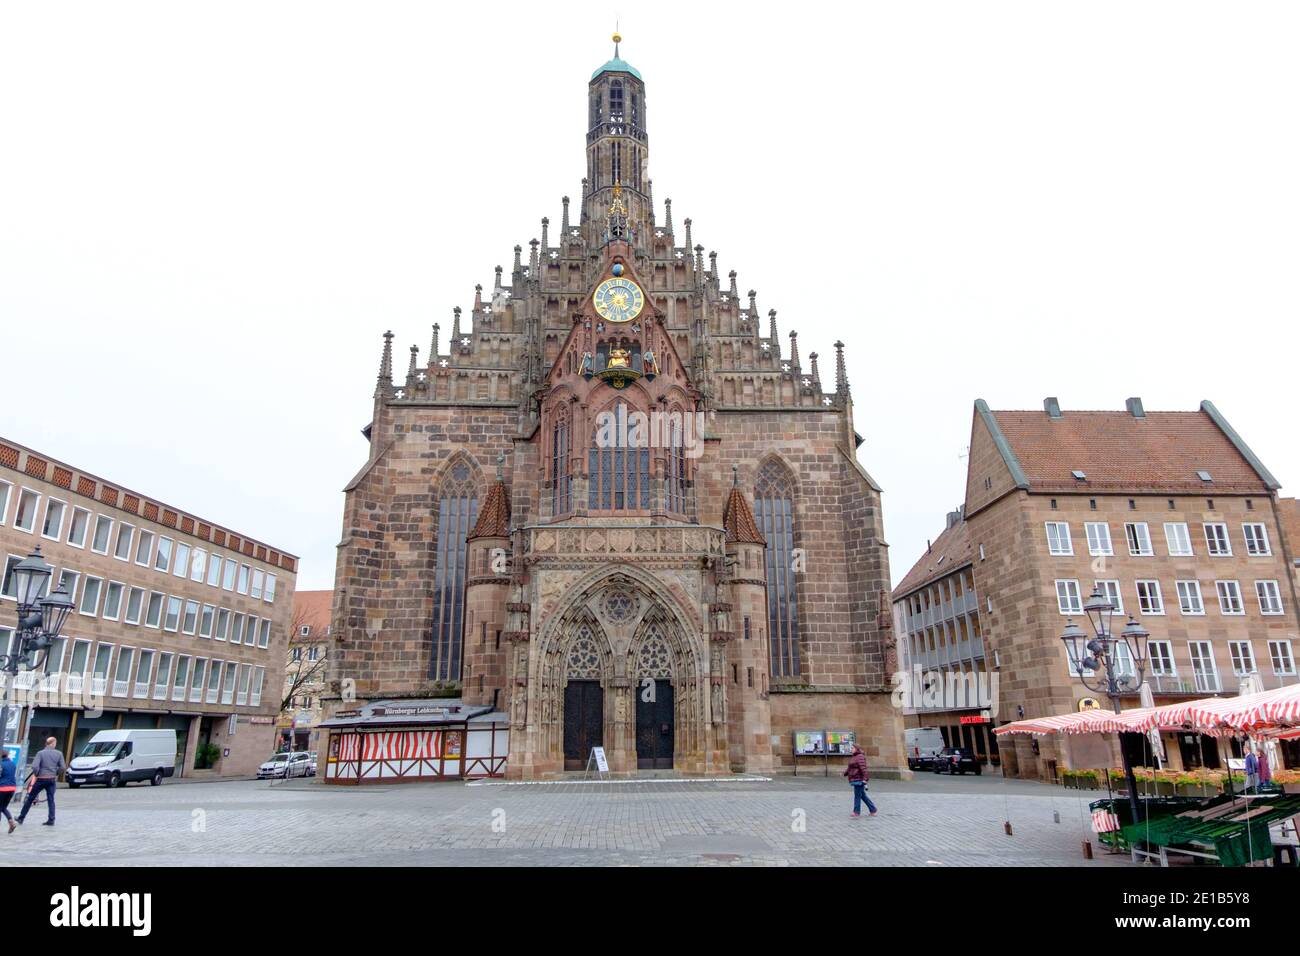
<point x="1097" y="663"/>
<point x="40" y="619"/>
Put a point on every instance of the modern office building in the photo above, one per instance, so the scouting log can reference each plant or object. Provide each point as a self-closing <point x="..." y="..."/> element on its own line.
<point x="177" y="621"/>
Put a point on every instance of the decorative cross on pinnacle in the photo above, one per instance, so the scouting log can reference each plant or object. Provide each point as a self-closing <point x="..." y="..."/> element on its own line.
<point x="785" y="366"/>
<point x="726" y="298"/>
<point x="487" y="310"/>
<point x="679" y="253"/>
<point x="443" y="364"/>
<point x="464" y="341"/>
<point x="554" y="254"/>
<point x="574" y="233"/>
<point x="826" y="400"/>
<point x="659" y="233"/>
<point x="807" y="383"/>
<point x="421" y="377"/>
<point x="505" y="293"/>
<point x="766" y="346"/>
<point x="400" y="393"/>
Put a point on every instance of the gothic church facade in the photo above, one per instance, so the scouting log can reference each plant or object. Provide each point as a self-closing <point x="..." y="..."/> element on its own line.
<point x="617" y="508"/>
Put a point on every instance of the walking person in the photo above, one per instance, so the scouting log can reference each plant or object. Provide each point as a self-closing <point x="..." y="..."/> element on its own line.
<point x="46" y="769"/>
<point x="8" y="786"/>
<point x="856" y="771"/>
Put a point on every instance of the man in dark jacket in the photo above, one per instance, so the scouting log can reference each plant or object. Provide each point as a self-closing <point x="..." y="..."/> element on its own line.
<point x="856" y="771"/>
<point x="8" y="786"/>
<point x="46" y="768"/>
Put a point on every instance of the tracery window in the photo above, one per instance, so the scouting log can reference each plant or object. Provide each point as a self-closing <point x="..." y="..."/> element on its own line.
<point x="561" y="500"/>
<point x="618" y="465"/>
<point x="774" y="512"/>
<point x="457" y="512"/>
<point x="675" y="485"/>
<point x="616" y="101"/>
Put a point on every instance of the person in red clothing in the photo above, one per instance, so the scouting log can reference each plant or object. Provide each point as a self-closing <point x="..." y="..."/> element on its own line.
<point x="856" y="771"/>
<point x="8" y="786"/>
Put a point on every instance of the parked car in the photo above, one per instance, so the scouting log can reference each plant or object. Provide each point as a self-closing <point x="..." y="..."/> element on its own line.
<point x="284" y="765"/>
<point x="957" y="760"/>
<point x="116" y="757"/>
<point x="311" y="764"/>
<point x="922" y="744"/>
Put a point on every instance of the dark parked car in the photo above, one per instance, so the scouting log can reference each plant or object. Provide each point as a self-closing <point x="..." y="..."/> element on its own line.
<point x="957" y="760"/>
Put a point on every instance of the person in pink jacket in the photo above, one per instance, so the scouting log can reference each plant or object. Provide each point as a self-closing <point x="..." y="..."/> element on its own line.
<point x="856" y="771"/>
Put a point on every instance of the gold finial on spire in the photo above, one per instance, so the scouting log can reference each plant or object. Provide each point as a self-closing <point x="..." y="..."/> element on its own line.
<point x="617" y="39"/>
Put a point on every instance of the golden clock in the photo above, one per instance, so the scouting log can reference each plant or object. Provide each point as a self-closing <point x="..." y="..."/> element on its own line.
<point x="618" y="300"/>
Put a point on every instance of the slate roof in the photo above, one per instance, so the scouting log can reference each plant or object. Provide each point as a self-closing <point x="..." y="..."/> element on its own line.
<point x="951" y="550"/>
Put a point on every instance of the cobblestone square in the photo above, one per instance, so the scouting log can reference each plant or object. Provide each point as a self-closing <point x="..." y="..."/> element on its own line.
<point x="784" y="821"/>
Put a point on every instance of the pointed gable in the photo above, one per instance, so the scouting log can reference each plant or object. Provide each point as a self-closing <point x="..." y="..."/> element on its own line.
<point x="494" y="516"/>
<point x="738" y="520"/>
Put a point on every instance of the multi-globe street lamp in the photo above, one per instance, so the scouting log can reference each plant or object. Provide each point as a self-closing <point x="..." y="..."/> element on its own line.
<point x="1097" y="663"/>
<point x="40" y="619"/>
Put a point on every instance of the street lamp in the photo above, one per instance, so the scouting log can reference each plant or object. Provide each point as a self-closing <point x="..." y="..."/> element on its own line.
<point x="1097" y="663"/>
<point x="40" y="619"/>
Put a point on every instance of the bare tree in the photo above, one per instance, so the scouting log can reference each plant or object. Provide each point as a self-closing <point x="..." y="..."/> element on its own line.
<point x="302" y="672"/>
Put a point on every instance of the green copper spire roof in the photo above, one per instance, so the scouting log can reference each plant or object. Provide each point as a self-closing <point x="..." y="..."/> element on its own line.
<point x="618" y="64"/>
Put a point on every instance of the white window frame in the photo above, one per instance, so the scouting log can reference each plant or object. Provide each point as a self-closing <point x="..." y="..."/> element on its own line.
<point x="198" y="563"/>
<point x="35" y="513"/>
<point x="1259" y="532"/>
<point x="126" y="654"/>
<point x="85" y="527"/>
<point x="181" y="559"/>
<point x="1099" y="542"/>
<point x="1178" y="539"/>
<point x="264" y="635"/>
<point x="76" y="679"/>
<point x="140" y="689"/>
<point x="162" y="678"/>
<point x="45" y="517"/>
<point x="1287" y="660"/>
<point x="269" y="594"/>
<point x="255" y="588"/>
<point x="1234" y="588"/>
<point x="1111" y="590"/>
<point x="99" y="685"/>
<point x="148" y="610"/>
<point x="207" y="620"/>
<point x="108" y="535"/>
<point x="6" y="492"/>
<point x="228" y="682"/>
<point x="1147" y="609"/>
<point x="214" y="571"/>
<point x="1131" y="531"/>
<point x="10" y="560"/>
<point x="99" y="593"/>
<point x="1069" y="603"/>
<point x="141" y="610"/>
<point x="1063" y="545"/>
<point x="181" y="685"/>
<point x="162" y="560"/>
<point x="144" y="545"/>
<point x="228" y="572"/>
<point x="1189" y="591"/>
<point x="1270" y="604"/>
<point x="121" y="592"/>
<point x="222" y="629"/>
<point x="213" y="689"/>
<point x="190" y="619"/>
<point x="241" y="684"/>
<point x="244" y="572"/>
<point x="1212" y="541"/>
<point x="127" y="529"/>
<point x="198" y="680"/>
<point x="1242" y="665"/>
<point x="255" y="692"/>
<point x="172" y="619"/>
<point x="1205" y="656"/>
<point x="237" y="628"/>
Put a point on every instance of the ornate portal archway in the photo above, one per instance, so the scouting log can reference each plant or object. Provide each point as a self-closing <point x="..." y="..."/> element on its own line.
<point x="617" y="655"/>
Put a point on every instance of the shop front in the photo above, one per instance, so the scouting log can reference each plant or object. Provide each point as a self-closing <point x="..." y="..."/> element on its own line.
<point x="416" y="740"/>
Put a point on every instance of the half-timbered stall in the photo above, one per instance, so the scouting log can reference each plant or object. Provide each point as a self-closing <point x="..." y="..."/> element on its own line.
<point x="399" y="741"/>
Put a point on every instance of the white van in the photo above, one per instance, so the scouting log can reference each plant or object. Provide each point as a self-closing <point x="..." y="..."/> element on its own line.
<point x="115" y="757"/>
<point x="923" y="744"/>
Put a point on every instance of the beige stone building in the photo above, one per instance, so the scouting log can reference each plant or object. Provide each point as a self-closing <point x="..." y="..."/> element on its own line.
<point x="177" y="622"/>
<point x="304" y="670"/>
<point x="1169" y="513"/>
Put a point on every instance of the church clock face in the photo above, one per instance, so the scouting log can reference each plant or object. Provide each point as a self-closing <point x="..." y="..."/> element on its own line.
<point x="618" y="300"/>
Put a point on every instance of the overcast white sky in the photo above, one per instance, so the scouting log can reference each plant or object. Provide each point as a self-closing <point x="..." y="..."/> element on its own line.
<point x="209" y="214"/>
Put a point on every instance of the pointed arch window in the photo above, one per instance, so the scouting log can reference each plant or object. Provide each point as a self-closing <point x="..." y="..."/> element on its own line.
<point x="616" y="101"/>
<point x="457" y="512"/>
<point x="618" y="464"/>
<point x="675" y="483"/>
<point x="774" y="512"/>
<point x="561" y="500"/>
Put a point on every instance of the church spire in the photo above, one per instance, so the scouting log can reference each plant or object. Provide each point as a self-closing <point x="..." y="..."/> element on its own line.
<point x="841" y="376"/>
<point x="433" y="345"/>
<point x="794" y="349"/>
<point x="386" y="360"/>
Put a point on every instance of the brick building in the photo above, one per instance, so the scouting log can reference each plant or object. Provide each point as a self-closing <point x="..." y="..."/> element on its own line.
<point x="177" y="622"/>
<point x="616" y="507"/>
<point x="1169" y="513"/>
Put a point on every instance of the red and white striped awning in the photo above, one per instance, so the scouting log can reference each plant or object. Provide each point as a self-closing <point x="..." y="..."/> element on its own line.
<point x="1267" y="713"/>
<point x="1080" y="722"/>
